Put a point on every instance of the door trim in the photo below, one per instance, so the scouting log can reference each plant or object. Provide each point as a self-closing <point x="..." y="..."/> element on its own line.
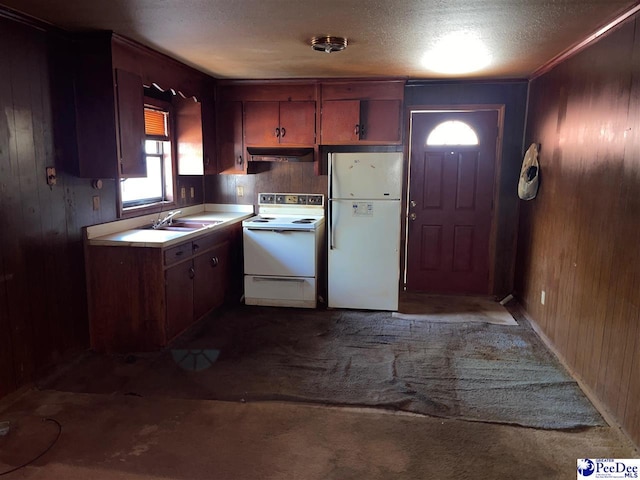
<point x="416" y="109"/>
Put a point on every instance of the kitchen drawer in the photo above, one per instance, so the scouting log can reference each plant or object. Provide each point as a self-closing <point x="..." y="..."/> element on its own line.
<point x="280" y="291"/>
<point x="179" y="252"/>
<point x="205" y="242"/>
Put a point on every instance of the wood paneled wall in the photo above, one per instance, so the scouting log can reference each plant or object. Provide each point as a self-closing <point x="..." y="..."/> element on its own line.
<point x="513" y="95"/>
<point x="42" y="292"/>
<point x="281" y="177"/>
<point x="579" y="239"/>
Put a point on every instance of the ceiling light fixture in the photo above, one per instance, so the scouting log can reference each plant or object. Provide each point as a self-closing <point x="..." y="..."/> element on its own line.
<point x="457" y="53"/>
<point x="328" y="44"/>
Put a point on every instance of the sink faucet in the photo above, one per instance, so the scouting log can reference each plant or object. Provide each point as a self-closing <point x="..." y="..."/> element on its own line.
<point x="167" y="220"/>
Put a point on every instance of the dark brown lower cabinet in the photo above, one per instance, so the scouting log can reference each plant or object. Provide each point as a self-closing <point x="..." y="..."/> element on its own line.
<point x="179" y="288"/>
<point x="141" y="298"/>
<point x="211" y="270"/>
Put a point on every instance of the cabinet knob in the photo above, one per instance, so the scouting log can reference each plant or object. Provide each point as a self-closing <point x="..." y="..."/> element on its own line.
<point x="192" y="272"/>
<point x="357" y="130"/>
<point x="195" y="247"/>
<point x="283" y="132"/>
<point x="363" y="131"/>
<point x="214" y="261"/>
<point x="239" y="160"/>
<point x="277" y="131"/>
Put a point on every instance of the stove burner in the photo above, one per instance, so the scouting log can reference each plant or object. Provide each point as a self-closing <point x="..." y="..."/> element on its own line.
<point x="262" y="219"/>
<point x="305" y="220"/>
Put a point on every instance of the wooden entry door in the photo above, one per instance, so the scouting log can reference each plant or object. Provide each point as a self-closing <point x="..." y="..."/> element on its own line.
<point x="451" y="206"/>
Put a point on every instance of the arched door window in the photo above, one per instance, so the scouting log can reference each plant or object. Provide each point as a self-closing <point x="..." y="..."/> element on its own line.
<point x="452" y="132"/>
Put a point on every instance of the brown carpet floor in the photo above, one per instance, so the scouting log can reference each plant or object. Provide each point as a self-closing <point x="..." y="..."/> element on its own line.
<point x="134" y="418"/>
<point x="111" y="437"/>
<point x="474" y="371"/>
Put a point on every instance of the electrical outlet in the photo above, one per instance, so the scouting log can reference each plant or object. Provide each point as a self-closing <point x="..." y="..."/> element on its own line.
<point x="543" y="297"/>
<point x="51" y="176"/>
<point x="183" y="193"/>
<point x="240" y="191"/>
<point x="192" y="192"/>
<point x="96" y="203"/>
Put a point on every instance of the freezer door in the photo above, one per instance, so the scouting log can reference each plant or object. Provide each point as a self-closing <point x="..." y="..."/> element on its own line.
<point x="368" y="175"/>
<point x="364" y="248"/>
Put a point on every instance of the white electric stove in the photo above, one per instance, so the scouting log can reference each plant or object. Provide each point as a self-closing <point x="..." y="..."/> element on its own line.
<point x="282" y="250"/>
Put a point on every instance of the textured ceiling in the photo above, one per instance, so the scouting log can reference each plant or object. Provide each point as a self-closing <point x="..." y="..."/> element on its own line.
<point x="270" y="38"/>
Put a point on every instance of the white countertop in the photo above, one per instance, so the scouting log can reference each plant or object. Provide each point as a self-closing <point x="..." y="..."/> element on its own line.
<point x="134" y="232"/>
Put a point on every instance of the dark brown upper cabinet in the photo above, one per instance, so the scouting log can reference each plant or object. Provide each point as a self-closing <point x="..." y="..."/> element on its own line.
<point x="130" y="115"/>
<point x="189" y="137"/>
<point x="104" y="111"/>
<point x="280" y="123"/>
<point x="362" y="113"/>
<point x="109" y="76"/>
<point x="229" y="137"/>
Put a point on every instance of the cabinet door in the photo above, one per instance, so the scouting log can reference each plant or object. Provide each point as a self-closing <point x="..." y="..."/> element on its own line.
<point x="261" y="123"/>
<point x="131" y="124"/>
<point x="179" y="298"/>
<point x="229" y="127"/>
<point x="211" y="279"/>
<point x="381" y="121"/>
<point x="340" y="121"/>
<point x="298" y="123"/>
<point x="189" y="136"/>
<point x="209" y="135"/>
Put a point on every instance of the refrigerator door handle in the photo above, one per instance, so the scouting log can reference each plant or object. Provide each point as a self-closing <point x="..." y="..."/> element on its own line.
<point x="331" y="227"/>
<point x="330" y="175"/>
<point x="330" y="206"/>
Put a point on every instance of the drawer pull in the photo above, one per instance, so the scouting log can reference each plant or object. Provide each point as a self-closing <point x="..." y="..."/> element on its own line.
<point x="271" y="279"/>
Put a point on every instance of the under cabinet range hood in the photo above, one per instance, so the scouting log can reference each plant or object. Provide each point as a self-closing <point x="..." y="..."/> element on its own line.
<point x="280" y="154"/>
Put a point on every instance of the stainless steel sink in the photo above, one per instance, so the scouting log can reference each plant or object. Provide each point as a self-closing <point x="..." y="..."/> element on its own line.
<point x="186" y="225"/>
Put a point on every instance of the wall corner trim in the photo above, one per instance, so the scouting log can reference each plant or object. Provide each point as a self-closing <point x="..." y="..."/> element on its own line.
<point x="571" y="51"/>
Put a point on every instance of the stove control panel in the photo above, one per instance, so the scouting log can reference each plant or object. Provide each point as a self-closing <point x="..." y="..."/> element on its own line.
<point x="290" y="199"/>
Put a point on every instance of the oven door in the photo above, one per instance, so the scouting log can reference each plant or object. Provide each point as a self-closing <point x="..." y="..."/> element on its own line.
<point x="283" y="253"/>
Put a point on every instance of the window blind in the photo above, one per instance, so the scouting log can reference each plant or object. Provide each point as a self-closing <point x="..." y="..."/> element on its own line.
<point x="155" y="123"/>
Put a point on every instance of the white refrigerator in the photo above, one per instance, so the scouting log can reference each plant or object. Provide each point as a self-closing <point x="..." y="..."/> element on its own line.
<point x="364" y="230"/>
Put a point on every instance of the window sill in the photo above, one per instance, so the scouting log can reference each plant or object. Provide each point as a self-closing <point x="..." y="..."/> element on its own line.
<point x="146" y="209"/>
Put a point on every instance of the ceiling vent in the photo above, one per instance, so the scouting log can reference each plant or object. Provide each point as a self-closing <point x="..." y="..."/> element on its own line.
<point x="328" y="44"/>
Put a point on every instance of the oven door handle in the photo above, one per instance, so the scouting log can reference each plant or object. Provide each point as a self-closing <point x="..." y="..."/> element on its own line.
<point x="279" y="230"/>
<point x="274" y="279"/>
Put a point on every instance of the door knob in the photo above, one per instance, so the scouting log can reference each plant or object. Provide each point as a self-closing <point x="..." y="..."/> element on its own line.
<point x="412" y="216"/>
<point x="412" y="203"/>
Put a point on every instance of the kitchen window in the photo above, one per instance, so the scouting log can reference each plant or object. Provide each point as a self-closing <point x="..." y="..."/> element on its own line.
<point x="158" y="184"/>
<point x="452" y="132"/>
